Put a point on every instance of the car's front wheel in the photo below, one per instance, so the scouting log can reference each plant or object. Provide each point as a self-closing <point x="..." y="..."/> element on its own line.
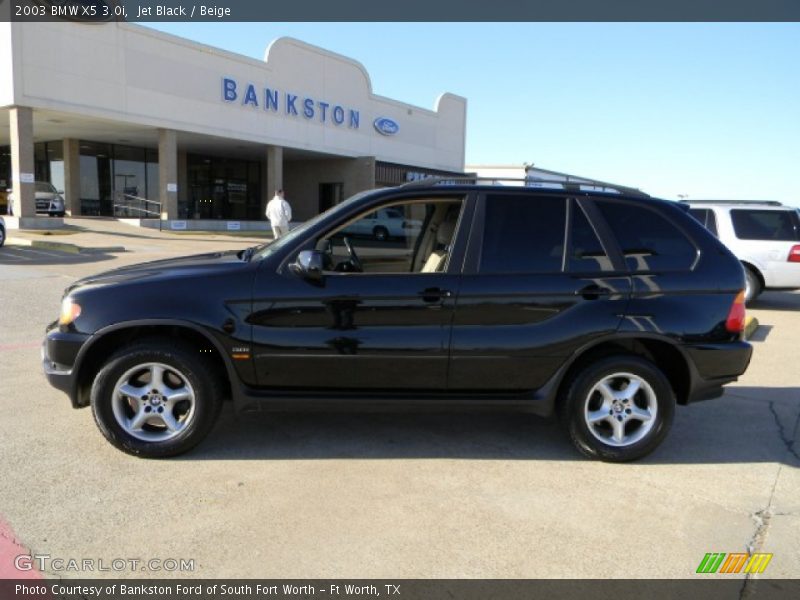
<point x="2" y="236"/>
<point x="155" y="399"/>
<point x="380" y="233"/>
<point x="618" y="409"/>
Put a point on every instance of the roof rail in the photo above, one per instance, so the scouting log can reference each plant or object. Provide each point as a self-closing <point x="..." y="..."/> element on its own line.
<point x="761" y="202"/>
<point x="574" y="185"/>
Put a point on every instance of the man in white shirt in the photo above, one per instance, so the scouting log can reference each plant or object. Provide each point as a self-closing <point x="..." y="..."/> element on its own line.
<point x="279" y="213"/>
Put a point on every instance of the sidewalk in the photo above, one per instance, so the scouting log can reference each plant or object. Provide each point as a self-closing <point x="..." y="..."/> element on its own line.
<point x="84" y="235"/>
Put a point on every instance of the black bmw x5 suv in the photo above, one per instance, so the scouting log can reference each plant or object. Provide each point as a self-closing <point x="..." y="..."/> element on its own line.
<point x="606" y="308"/>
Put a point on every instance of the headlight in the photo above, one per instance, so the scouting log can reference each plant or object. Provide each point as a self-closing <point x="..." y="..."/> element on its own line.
<point x="70" y="310"/>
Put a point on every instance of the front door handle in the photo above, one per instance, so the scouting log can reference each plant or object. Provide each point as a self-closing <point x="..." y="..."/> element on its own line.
<point x="435" y="294"/>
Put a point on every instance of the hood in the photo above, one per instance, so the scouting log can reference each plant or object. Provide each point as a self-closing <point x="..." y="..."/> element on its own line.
<point x="48" y="196"/>
<point x="199" y="265"/>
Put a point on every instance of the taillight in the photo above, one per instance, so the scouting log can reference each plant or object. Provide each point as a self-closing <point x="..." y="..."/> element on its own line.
<point x="794" y="254"/>
<point x="736" y="315"/>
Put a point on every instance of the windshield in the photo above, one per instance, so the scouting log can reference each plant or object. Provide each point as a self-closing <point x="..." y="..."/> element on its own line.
<point x="45" y="187"/>
<point x="297" y="233"/>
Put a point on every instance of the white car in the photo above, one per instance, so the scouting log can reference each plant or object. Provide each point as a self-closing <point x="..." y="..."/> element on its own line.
<point x="764" y="235"/>
<point x="48" y="199"/>
<point x="384" y="224"/>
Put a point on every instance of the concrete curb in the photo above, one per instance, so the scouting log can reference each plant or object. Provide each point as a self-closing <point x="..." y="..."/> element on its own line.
<point x="750" y="326"/>
<point x="64" y="246"/>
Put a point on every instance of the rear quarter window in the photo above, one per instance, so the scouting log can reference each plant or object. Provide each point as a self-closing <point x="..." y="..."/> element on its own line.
<point x="649" y="241"/>
<point x="771" y="225"/>
<point x="707" y="217"/>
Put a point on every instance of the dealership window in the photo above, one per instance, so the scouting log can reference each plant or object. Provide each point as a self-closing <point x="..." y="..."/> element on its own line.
<point x="523" y="234"/>
<point x="223" y="188"/>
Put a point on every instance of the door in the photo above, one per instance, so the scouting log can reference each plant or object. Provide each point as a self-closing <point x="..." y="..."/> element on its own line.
<point x="379" y="319"/>
<point x="538" y="284"/>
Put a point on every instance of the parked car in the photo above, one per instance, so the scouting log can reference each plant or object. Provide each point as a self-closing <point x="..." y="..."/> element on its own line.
<point x="764" y="235"/>
<point x="2" y="232"/>
<point x="48" y="200"/>
<point x="605" y="308"/>
<point x="384" y="224"/>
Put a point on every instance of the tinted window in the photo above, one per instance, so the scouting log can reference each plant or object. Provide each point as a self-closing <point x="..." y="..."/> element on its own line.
<point x="775" y="225"/>
<point x="707" y="217"/>
<point x="523" y="234"/>
<point x="648" y="240"/>
<point x="586" y="253"/>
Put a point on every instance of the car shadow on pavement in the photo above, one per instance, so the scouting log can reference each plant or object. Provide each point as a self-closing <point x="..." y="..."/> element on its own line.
<point x="777" y="301"/>
<point x="22" y="256"/>
<point x="747" y="425"/>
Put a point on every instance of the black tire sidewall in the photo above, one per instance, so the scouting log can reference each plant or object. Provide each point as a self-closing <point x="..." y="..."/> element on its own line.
<point x="207" y="399"/>
<point x="573" y="413"/>
<point x="754" y="282"/>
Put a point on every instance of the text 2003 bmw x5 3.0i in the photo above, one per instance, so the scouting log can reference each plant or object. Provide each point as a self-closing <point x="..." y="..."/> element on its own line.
<point x="607" y="308"/>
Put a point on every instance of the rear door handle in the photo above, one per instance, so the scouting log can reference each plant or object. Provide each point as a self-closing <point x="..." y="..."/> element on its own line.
<point x="435" y="294"/>
<point x="593" y="291"/>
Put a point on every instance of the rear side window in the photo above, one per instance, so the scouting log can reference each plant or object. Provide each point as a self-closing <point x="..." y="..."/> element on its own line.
<point x="586" y="254"/>
<point x="523" y="234"/>
<point x="707" y="217"/>
<point x="648" y="240"/>
<point x="773" y="225"/>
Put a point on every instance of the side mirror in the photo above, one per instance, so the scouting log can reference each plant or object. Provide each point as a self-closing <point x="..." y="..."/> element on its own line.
<point x="310" y="265"/>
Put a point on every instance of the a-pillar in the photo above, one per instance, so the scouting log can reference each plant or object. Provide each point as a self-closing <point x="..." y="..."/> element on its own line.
<point x="22" y="171"/>
<point x="168" y="172"/>
<point x="72" y="176"/>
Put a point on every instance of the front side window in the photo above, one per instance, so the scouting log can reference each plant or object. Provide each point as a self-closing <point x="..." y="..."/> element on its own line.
<point x="409" y="237"/>
<point x="772" y="225"/>
<point x="648" y="240"/>
<point x="523" y="234"/>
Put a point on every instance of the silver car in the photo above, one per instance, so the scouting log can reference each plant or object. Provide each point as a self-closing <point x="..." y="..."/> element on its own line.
<point x="49" y="200"/>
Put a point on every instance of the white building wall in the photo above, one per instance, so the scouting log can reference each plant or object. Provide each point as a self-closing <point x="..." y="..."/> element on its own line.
<point x="6" y="67"/>
<point x="129" y="73"/>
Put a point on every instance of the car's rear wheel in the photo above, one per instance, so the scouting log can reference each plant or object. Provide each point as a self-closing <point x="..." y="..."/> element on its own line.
<point x="618" y="409"/>
<point x="380" y="233"/>
<point x="752" y="285"/>
<point x="156" y="399"/>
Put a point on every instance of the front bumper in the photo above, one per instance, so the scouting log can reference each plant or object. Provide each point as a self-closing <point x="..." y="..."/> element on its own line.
<point x="714" y="365"/>
<point x="59" y="355"/>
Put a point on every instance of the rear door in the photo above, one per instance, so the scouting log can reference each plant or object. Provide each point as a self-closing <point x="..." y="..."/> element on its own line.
<point x="538" y="284"/>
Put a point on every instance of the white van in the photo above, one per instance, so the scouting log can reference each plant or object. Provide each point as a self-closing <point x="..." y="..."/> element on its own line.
<point x="764" y="235"/>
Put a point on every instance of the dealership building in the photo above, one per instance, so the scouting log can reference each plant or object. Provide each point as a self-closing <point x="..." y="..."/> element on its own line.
<point x="128" y="121"/>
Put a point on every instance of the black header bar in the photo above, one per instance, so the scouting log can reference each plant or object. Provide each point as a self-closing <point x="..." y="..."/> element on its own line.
<point x="405" y="11"/>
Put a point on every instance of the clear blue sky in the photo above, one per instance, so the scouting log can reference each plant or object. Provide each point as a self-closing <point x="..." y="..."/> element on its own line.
<point x="711" y="110"/>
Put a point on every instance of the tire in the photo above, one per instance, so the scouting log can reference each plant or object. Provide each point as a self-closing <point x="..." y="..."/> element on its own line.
<point x="380" y="233"/>
<point x="140" y="423"/>
<point x="2" y="236"/>
<point x="752" y="285"/>
<point x="582" y="409"/>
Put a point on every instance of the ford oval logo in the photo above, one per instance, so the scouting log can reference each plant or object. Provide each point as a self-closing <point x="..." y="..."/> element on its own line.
<point x="385" y="126"/>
